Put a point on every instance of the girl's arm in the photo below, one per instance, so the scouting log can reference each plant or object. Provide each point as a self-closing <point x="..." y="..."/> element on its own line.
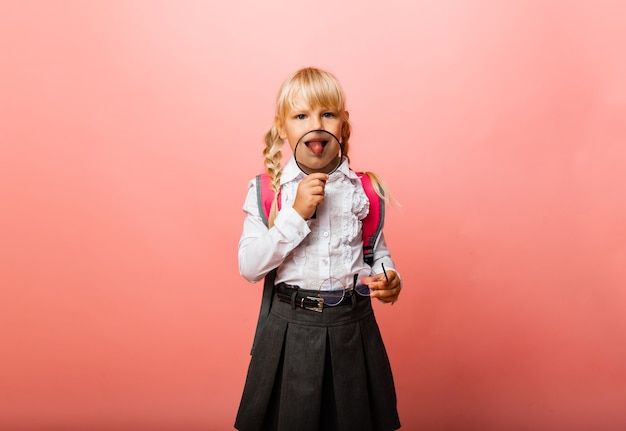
<point x="382" y="256"/>
<point x="262" y="249"/>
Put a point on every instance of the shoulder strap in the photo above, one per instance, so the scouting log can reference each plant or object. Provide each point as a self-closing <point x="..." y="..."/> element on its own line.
<point x="265" y="196"/>
<point x="266" y="304"/>
<point x="375" y="219"/>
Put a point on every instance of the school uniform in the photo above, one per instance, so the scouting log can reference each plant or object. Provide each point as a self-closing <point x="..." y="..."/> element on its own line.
<point x="315" y="367"/>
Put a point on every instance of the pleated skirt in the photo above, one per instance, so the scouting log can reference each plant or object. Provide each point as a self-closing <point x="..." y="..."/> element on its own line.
<point x="319" y="371"/>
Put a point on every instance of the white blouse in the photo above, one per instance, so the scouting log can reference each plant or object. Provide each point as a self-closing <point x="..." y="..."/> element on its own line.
<point x="317" y="253"/>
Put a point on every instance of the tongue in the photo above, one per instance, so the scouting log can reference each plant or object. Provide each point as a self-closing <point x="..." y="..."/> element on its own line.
<point x="316" y="147"/>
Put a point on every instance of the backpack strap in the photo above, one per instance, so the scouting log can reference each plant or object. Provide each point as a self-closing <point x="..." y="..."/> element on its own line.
<point x="375" y="219"/>
<point x="266" y="304"/>
<point x="265" y="197"/>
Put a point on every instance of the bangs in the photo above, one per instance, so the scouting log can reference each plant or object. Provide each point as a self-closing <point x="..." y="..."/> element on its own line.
<point x="312" y="87"/>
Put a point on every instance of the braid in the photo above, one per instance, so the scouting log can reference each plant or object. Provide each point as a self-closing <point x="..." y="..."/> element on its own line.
<point x="273" y="157"/>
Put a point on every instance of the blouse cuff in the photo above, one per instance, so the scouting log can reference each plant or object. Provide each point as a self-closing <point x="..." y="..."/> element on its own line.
<point x="291" y="225"/>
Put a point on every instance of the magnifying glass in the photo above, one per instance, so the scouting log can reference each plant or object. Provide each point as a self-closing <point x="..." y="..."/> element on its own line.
<point x="318" y="151"/>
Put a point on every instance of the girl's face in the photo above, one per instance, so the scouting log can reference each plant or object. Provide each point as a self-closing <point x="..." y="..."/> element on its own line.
<point x="319" y="155"/>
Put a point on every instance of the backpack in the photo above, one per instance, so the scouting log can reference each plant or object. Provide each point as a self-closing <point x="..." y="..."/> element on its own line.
<point x="372" y="227"/>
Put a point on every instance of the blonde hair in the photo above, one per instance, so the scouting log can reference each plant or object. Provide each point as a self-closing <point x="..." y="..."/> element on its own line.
<point x="319" y="89"/>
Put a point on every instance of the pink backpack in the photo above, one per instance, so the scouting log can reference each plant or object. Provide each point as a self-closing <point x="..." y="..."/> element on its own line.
<point x="372" y="227"/>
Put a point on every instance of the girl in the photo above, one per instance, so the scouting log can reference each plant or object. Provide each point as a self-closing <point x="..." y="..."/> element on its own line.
<point x="316" y="365"/>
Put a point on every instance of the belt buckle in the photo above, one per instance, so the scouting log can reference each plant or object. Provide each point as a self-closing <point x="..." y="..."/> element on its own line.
<point x="320" y="304"/>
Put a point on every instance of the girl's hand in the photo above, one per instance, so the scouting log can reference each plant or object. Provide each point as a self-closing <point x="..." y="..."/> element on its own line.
<point x="310" y="194"/>
<point x="386" y="291"/>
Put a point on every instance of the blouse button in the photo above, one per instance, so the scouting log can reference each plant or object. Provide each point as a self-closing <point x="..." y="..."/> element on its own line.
<point x="325" y="234"/>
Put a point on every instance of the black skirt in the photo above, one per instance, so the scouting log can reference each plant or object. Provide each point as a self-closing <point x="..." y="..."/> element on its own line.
<point x="319" y="371"/>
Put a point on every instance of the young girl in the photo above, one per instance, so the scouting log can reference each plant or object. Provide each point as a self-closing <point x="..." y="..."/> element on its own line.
<point x="315" y="366"/>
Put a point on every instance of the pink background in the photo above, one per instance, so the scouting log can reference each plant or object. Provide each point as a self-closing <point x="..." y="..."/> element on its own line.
<point x="129" y="130"/>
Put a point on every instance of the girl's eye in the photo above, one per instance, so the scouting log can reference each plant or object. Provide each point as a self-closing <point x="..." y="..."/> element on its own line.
<point x="328" y="115"/>
<point x="300" y="116"/>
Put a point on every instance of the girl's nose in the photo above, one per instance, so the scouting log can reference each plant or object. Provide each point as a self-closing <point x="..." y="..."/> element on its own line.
<point x="316" y="123"/>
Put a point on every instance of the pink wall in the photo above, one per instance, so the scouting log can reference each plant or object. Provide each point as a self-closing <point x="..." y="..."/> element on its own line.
<point x="128" y="133"/>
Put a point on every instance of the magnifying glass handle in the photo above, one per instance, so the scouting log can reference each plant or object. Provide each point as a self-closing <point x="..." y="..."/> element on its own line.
<point x="315" y="212"/>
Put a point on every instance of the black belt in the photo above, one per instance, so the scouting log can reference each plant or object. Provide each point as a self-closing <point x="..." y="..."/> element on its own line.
<point x="309" y="299"/>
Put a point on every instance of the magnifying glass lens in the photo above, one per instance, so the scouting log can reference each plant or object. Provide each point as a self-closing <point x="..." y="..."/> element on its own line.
<point x="318" y="151"/>
<point x="332" y="291"/>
